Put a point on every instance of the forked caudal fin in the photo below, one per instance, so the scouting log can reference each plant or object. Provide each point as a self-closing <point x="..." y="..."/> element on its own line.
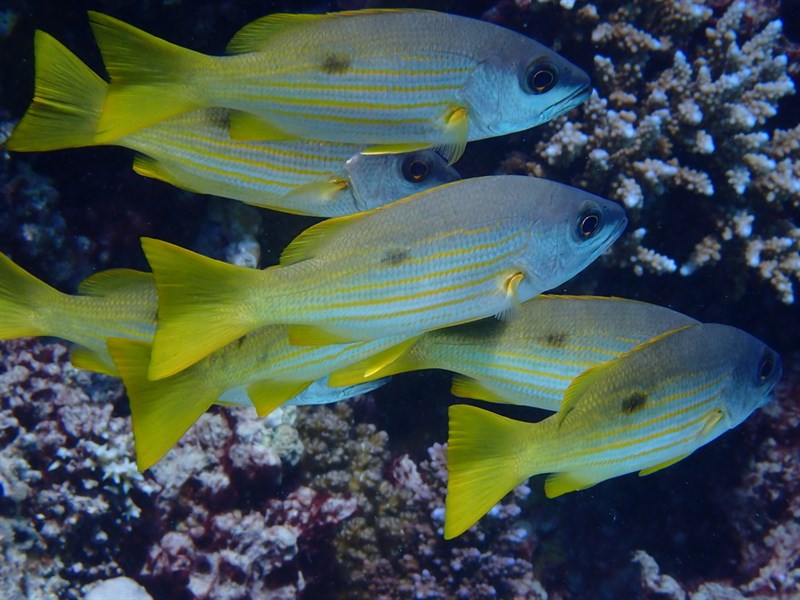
<point x="199" y="305"/>
<point x="25" y="302"/>
<point x="482" y="464"/>
<point x="161" y="411"/>
<point x="67" y="101"/>
<point x="148" y="77"/>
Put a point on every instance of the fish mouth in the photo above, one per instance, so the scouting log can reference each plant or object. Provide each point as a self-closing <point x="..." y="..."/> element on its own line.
<point x="576" y="98"/>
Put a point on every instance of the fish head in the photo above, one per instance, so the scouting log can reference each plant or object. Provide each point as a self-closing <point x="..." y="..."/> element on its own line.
<point x="521" y="85"/>
<point x="755" y="371"/>
<point x="570" y="229"/>
<point x="378" y="179"/>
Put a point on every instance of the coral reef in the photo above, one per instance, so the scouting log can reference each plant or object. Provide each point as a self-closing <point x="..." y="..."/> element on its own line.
<point x="682" y="128"/>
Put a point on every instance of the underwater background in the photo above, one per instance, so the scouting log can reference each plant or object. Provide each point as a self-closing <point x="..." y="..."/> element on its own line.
<point x="347" y="500"/>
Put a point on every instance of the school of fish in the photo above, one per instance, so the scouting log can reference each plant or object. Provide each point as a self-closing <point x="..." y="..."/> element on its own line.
<point x="357" y="117"/>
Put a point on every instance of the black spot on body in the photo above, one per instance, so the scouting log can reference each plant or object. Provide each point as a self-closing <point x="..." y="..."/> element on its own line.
<point x="556" y="339"/>
<point x="396" y="256"/>
<point x="634" y="402"/>
<point x="335" y="64"/>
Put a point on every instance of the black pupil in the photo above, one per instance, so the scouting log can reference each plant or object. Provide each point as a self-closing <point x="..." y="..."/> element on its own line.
<point x="589" y="224"/>
<point x="416" y="170"/>
<point x="542" y="78"/>
<point x="765" y="368"/>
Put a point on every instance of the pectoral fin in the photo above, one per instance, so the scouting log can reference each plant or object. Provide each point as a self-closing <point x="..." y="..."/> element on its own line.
<point x="247" y="126"/>
<point x="269" y="395"/>
<point x="663" y="465"/>
<point x="467" y="387"/>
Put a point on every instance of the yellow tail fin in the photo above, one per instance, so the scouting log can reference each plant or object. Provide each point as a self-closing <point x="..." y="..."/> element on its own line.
<point x="199" y="307"/>
<point x="482" y="462"/>
<point x="161" y="411"/>
<point x="25" y="302"/>
<point x="148" y="77"/>
<point x="67" y="101"/>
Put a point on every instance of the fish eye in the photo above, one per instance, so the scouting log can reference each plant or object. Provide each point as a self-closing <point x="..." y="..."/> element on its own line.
<point x="541" y="77"/>
<point x="416" y="169"/>
<point x="766" y="367"/>
<point x="588" y="223"/>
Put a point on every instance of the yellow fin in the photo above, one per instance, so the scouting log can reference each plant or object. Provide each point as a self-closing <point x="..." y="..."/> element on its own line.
<point x="483" y="464"/>
<point x="663" y="465"/>
<point x="24" y="301"/>
<point x="456" y="133"/>
<point x="147" y="77"/>
<point x="198" y="305"/>
<point x="113" y="281"/>
<point x="161" y="411"/>
<point x="147" y="166"/>
<point x="511" y="287"/>
<point x="67" y="101"/>
<point x="558" y="484"/>
<point x="256" y="36"/>
<point x="391" y="361"/>
<point x="271" y="394"/>
<point x="315" y="335"/>
<point x="320" y="192"/>
<point x="399" y="148"/>
<point x="247" y="126"/>
<point x="714" y="418"/>
<point x="589" y="379"/>
<point x="307" y="244"/>
<point x="467" y="387"/>
<point x="83" y="358"/>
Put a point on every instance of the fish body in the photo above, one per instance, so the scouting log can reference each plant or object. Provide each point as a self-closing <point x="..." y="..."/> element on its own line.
<point x="262" y="368"/>
<point x="114" y="303"/>
<point x="453" y="254"/>
<point x="642" y="411"/>
<point x="194" y="151"/>
<point x="529" y="360"/>
<point x="388" y="78"/>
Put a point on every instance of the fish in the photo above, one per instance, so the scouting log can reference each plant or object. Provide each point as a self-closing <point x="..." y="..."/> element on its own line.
<point x="261" y="369"/>
<point x="642" y="411"/>
<point x="112" y="303"/>
<point x="194" y="151"/>
<point x="529" y="360"/>
<point x="452" y="254"/>
<point x="397" y="80"/>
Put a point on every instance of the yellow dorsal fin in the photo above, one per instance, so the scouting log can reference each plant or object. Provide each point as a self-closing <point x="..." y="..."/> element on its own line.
<point x="663" y="465"/>
<point x="161" y="411"/>
<point x="467" y="387"/>
<point x="247" y="126"/>
<point x="558" y="484"/>
<point x="398" y="148"/>
<point x="589" y="379"/>
<point x="113" y="281"/>
<point x="483" y="464"/>
<point x="269" y="395"/>
<point x="307" y="244"/>
<point x="456" y="131"/>
<point x="315" y="335"/>
<point x="67" y="101"/>
<point x="83" y="358"/>
<point x="391" y="361"/>
<point x="257" y="35"/>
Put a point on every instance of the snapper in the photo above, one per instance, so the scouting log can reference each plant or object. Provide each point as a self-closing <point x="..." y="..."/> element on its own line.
<point x="396" y="80"/>
<point x="643" y="411"/>
<point x="456" y="253"/>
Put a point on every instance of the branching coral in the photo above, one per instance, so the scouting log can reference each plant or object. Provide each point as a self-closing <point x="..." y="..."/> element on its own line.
<point x="682" y="115"/>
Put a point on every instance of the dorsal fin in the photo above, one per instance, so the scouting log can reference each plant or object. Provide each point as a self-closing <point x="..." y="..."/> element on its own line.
<point x="306" y="245"/>
<point x="257" y="35"/>
<point x="114" y="280"/>
<point x="590" y="376"/>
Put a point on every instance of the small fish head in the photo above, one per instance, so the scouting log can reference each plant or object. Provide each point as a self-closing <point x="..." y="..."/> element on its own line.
<point x="524" y="85"/>
<point x="573" y="228"/>
<point x="379" y="179"/>
<point x="756" y="371"/>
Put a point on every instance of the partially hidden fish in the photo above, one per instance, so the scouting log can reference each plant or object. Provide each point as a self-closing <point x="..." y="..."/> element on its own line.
<point x="113" y="303"/>
<point x="393" y="79"/>
<point x="529" y="360"/>
<point x="261" y="368"/>
<point x="194" y="151"/>
<point x="643" y="411"/>
<point x="449" y="255"/>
